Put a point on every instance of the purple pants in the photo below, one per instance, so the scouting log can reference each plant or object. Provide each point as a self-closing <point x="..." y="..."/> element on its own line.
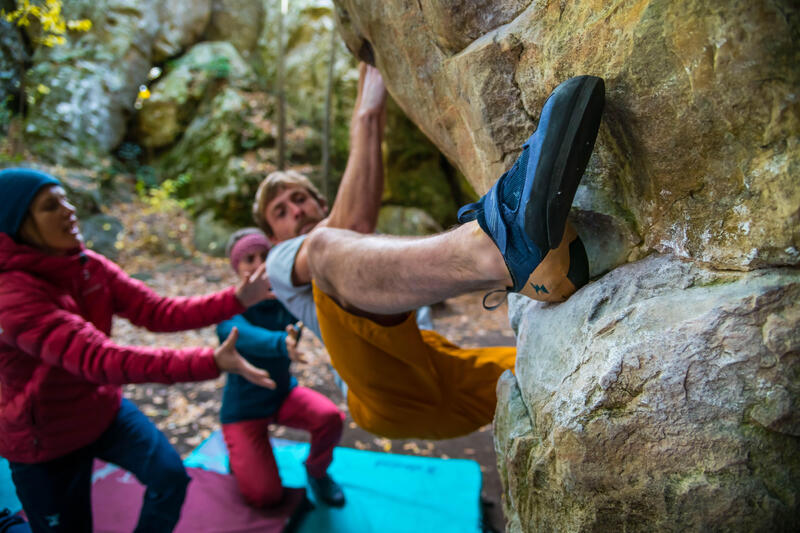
<point x="251" y="458"/>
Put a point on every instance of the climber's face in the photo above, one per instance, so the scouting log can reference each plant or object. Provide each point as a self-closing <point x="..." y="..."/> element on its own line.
<point x="293" y="212"/>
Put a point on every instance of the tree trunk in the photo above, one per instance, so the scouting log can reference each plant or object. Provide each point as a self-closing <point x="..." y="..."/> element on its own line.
<point x="281" y="92"/>
<point x="326" y="126"/>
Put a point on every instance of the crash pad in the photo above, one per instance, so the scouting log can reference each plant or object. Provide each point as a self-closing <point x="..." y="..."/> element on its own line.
<point x="386" y="493"/>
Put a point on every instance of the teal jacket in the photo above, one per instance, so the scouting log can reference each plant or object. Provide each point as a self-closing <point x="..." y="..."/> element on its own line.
<point x="262" y="341"/>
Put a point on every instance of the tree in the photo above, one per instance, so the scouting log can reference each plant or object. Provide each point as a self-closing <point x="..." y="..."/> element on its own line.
<point x="326" y="125"/>
<point x="281" y="88"/>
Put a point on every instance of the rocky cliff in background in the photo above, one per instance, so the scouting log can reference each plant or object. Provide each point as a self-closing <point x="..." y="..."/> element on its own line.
<point x="208" y="122"/>
<point x="665" y="395"/>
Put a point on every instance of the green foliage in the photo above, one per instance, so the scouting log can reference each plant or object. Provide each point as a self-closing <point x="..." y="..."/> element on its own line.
<point x="48" y="15"/>
<point x="163" y="198"/>
<point x="219" y="67"/>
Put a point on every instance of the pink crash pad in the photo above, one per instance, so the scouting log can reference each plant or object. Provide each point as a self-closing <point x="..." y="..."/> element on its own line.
<point x="213" y="504"/>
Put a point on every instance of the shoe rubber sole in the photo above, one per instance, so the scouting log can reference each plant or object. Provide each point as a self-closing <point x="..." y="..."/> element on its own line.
<point x="574" y="123"/>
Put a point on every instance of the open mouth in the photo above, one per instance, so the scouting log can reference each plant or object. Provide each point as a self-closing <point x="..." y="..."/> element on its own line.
<point x="73" y="229"/>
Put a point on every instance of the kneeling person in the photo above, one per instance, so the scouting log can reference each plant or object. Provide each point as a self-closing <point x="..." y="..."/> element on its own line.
<point x="268" y="340"/>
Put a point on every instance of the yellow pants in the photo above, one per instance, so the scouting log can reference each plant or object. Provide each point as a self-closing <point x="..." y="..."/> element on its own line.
<point x="407" y="383"/>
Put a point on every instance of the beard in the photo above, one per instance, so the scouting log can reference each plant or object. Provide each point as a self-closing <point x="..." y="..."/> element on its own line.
<point x="306" y="221"/>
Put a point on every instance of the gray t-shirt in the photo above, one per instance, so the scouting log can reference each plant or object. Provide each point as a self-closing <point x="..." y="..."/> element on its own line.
<point x="299" y="300"/>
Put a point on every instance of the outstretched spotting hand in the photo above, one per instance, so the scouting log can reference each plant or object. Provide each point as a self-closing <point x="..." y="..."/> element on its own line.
<point x="229" y="360"/>
<point x="292" y="338"/>
<point x="255" y="288"/>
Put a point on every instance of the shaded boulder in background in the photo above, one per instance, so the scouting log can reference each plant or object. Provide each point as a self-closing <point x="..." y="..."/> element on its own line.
<point x="92" y="81"/>
<point x="13" y="57"/>
<point x="211" y="234"/>
<point x="84" y="108"/>
<point x="239" y="22"/>
<point x="100" y="233"/>
<point x="182" y="24"/>
<point x="206" y="147"/>
<point x="397" y="220"/>
<point x="416" y="173"/>
<point x="190" y="80"/>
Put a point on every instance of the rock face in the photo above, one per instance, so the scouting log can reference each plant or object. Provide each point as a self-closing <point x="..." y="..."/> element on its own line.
<point x="667" y="401"/>
<point x="698" y="152"/>
<point x="237" y="21"/>
<point x="663" y="396"/>
<point x="92" y="82"/>
<point x="12" y="57"/>
<point x="175" y="97"/>
<point x="182" y="24"/>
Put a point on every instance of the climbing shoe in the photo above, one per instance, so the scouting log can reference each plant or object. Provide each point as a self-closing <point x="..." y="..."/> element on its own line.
<point x="326" y="490"/>
<point x="525" y="212"/>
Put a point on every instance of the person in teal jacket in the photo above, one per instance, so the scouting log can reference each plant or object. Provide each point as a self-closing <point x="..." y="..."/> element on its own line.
<point x="268" y="340"/>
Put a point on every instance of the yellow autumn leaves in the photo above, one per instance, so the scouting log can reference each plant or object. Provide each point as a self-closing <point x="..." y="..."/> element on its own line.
<point x="54" y="27"/>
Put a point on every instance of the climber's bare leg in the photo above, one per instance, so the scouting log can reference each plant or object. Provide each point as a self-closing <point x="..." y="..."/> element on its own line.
<point x="388" y="275"/>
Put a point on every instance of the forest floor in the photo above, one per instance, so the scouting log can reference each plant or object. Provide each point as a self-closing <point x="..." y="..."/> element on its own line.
<point x="188" y="413"/>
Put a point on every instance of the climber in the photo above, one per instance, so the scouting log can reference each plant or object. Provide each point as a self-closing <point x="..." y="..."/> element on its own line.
<point x="356" y="290"/>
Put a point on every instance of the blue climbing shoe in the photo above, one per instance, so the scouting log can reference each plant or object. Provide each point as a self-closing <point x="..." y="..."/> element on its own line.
<point x="525" y="212"/>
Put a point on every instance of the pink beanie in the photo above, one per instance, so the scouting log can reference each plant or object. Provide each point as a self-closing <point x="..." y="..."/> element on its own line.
<point x="249" y="243"/>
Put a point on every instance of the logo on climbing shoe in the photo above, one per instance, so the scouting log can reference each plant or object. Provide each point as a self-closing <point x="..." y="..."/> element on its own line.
<point x="540" y="288"/>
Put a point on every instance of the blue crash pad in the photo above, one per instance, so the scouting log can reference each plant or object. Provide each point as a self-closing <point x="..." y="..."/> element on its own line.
<point x="8" y="494"/>
<point x="385" y="493"/>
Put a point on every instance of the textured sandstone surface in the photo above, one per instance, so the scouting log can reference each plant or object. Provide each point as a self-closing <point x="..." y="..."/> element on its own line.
<point x="663" y="396"/>
<point x="697" y="155"/>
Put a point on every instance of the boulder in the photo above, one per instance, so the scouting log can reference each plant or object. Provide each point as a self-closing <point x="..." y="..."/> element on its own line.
<point x="13" y="56"/>
<point x="417" y="175"/>
<point x="176" y="97"/>
<point x="91" y="82"/>
<point x="397" y="220"/>
<point x="239" y="22"/>
<point x="211" y="234"/>
<point x="207" y="145"/>
<point x="183" y="23"/>
<point x="663" y="397"/>
<point x="100" y="233"/>
<point x="698" y="150"/>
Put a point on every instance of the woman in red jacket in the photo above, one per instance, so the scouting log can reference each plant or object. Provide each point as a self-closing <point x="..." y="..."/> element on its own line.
<point x="61" y="403"/>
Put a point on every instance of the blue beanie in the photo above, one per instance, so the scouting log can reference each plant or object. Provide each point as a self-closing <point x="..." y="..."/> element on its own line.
<point x="18" y="186"/>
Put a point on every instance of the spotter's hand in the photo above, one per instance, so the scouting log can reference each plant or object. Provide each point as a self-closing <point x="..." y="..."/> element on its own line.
<point x="229" y="360"/>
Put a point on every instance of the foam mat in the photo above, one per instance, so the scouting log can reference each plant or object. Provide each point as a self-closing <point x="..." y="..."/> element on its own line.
<point x="386" y="493"/>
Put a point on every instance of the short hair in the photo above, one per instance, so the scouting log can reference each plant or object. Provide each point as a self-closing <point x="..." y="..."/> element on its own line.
<point x="271" y="186"/>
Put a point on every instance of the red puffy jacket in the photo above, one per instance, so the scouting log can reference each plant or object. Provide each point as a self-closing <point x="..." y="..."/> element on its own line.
<point x="60" y="374"/>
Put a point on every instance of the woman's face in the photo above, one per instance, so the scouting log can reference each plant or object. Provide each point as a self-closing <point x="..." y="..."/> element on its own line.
<point x="51" y="223"/>
<point x="250" y="262"/>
